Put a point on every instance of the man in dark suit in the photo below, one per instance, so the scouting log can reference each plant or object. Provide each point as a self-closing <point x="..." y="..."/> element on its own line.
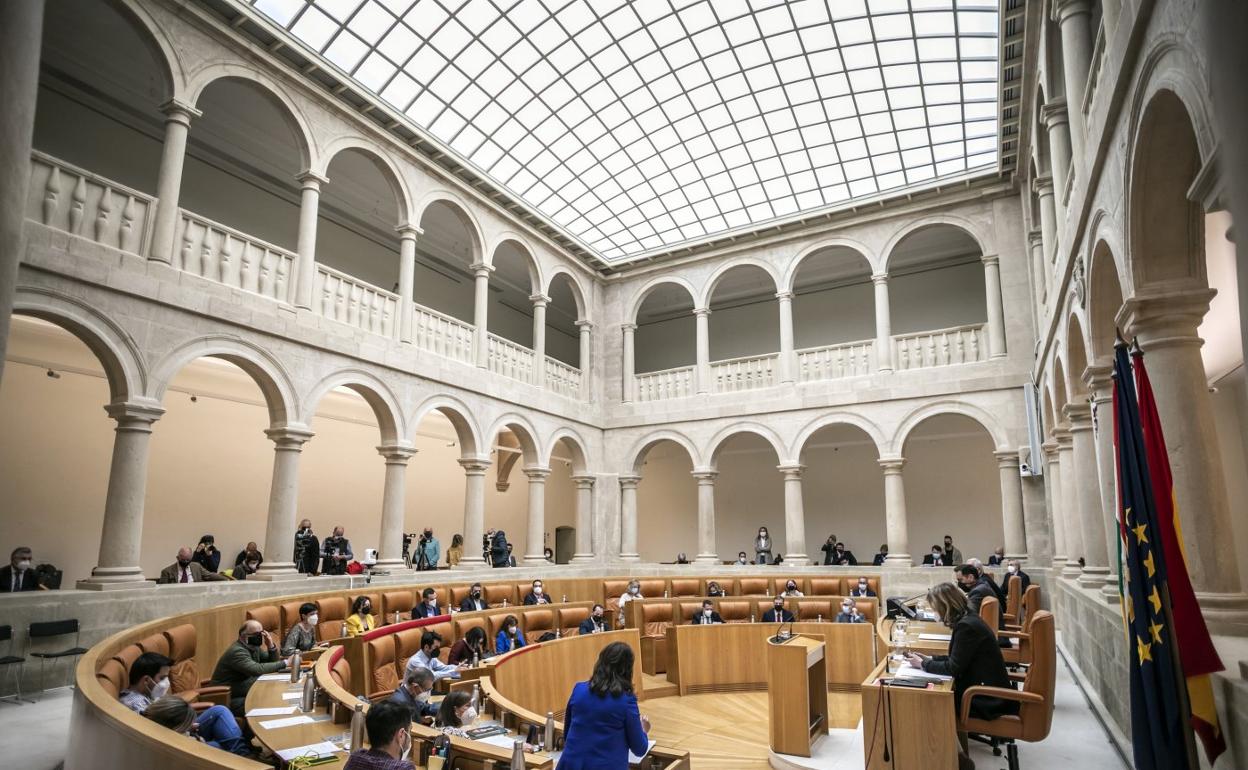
<point x="861" y="588"/>
<point x="537" y="595"/>
<point x="777" y="613"/>
<point x="1013" y="568"/>
<point x="843" y="557"/>
<point x="428" y="607"/>
<point x="186" y="571"/>
<point x="978" y="587"/>
<point x="936" y="558"/>
<point x="882" y="556"/>
<point x="474" y="601"/>
<point x="19" y="573"/>
<point x="997" y="558"/>
<point x="414" y="694"/>
<point x="707" y="616"/>
<point x="595" y="623"/>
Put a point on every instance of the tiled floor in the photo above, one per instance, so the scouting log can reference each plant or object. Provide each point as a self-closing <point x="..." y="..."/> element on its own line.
<point x="36" y="732"/>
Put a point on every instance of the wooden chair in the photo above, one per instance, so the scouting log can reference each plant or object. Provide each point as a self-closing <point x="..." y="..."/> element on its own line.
<point x="685" y="612"/>
<point x="826" y="586"/>
<point x="497" y="593"/>
<point x="537" y="622"/>
<point x="814" y="609"/>
<point x="1029" y="604"/>
<point x="185" y="679"/>
<point x="990" y="611"/>
<point x="682" y="587"/>
<point x="396" y="601"/>
<point x="652" y="588"/>
<point x="1035" y="716"/>
<point x="734" y="610"/>
<point x="655" y="619"/>
<point x="290" y="615"/>
<point x="570" y="619"/>
<point x="752" y="586"/>
<point x="868" y="607"/>
<point x="1013" y="600"/>
<point x="331" y="613"/>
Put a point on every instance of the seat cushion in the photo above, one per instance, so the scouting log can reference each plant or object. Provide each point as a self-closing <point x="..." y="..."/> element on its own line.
<point x="183" y="676"/>
<point x="269" y="617"/>
<point x="754" y="586"/>
<point x="156" y="643"/>
<point x="686" y="587"/>
<point x="825" y="586"/>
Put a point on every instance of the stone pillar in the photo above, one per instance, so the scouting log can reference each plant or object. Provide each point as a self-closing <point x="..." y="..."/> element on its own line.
<point x="1039" y="266"/>
<point x="628" y="517"/>
<point x="279" y="532"/>
<point x="536" y="530"/>
<point x="1071" y="523"/>
<point x="1072" y="18"/>
<point x="794" y="516"/>
<point x="393" y="507"/>
<point x="407" y="278"/>
<point x="1101" y="386"/>
<point x="788" y="356"/>
<point x="474" y="510"/>
<point x="540" y="301"/>
<point x="21" y="33"/>
<point x="702" y="372"/>
<point x="1012" y="505"/>
<point x="480" y="311"/>
<point x="121" y="538"/>
<point x="584" y="519"/>
<point x="1053" y="499"/>
<point x="1167" y="329"/>
<point x="629" y="379"/>
<point x="309" y="207"/>
<point x="1048" y="219"/>
<point x="1087" y="484"/>
<point x="883" y="327"/>
<point x="898" y="532"/>
<point x="996" y="316"/>
<point x="585" y="331"/>
<point x="706" y="516"/>
<point x="169" y="179"/>
<point x="1058" y="124"/>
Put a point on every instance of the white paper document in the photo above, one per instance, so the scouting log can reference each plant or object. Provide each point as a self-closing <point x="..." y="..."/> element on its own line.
<point x="908" y="670"/>
<point x="273" y="724"/>
<point x="322" y="749"/>
<point x="292" y="695"/>
<point x="935" y="637"/>
<point x="271" y="711"/>
<point x="633" y="759"/>
<point x="273" y="677"/>
<point x="506" y="741"/>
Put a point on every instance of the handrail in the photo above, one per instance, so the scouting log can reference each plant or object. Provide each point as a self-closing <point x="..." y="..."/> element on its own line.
<point x="743" y="359"/>
<point x="88" y="205"/>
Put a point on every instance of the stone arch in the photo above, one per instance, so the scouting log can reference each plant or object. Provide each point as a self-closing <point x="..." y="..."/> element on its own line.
<point x="112" y="345"/>
<point x="368" y="386"/>
<point x="983" y="239"/>
<point x="873" y="431"/>
<point x="162" y="50"/>
<point x="389" y="172"/>
<point x="1076" y="356"/>
<point x="986" y="420"/>
<point x="1105" y="298"/>
<point x="525" y="434"/>
<point x="262" y="366"/>
<point x="574" y="442"/>
<point x="1050" y="415"/>
<point x="637" y="454"/>
<point x="1059" y="389"/>
<point x="199" y="80"/>
<point x="790" y="272"/>
<point x="1167" y="67"/>
<point x="578" y="291"/>
<point x="466" y="430"/>
<point x="708" y="290"/>
<point x="640" y="295"/>
<point x="461" y="210"/>
<point x="757" y="429"/>
<point x="536" y="282"/>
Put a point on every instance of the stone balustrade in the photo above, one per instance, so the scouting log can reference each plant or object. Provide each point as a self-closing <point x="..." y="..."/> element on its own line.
<point x="664" y="384"/>
<point x="833" y="362"/>
<point x="356" y="303"/>
<point x="442" y="335"/>
<point x="219" y="253"/>
<point x="562" y="378"/>
<point x="941" y="347"/>
<point x="77" y="201"/>
<point x="509" y="359"/>
<point x="746" y="373"/>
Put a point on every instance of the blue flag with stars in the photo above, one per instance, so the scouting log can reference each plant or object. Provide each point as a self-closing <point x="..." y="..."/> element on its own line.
<point x="1158" y="712"/>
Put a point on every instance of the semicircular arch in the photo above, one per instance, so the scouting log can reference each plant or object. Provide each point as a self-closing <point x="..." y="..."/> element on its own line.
<point x="995" y="431"/>
<point x="261" y="365"/>
<point x="789" y="275"/>
<point x="708" y="290"/>
<point x="873" y="431"/>
<point x="639" y="296"/>
<point x="457" y="412"/>
<point x="982" y="238"/>
<point x="522" y="428"/>
<point x="305" y="138"/>
<point x="575" y="444"/>
<point x="462" y="211"/>
<point x="373" y="390"/>
<point x="386" y="167"/>
<point x="637" y="454"/>
<point x="753" y="428"/>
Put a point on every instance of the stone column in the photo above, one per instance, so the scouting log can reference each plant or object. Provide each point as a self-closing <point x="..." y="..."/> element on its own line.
<point x="1087" y="485"/>
<point x="279" y="532"/>
<point x="794" y="516"/>
<point x="178" y="117"/>
<point x="883" y="326"/>
<point x="1039" y="266"/>
<point x="540" y="301"/>
<point x="407" y="278"/>
<point x="1167" y="329"/>
<point x="1053" y="499"/>
<point x="702" y="372"/>
<point x="474" y="510"/>
<point x="629" y="379"/>
<point x="788" y="356"/>
<point x="628" y="517"/>
<point x="1071" y="523"/>
<point x="1072" y="18"/>
<point x="480" y="311"/>
<point x="21" y="33"/>
<point x="1012" y="505"/>
<point x="393" y="507"/>
<point x="996" y="316"/>
<point x="706" y="516"/>
<point x="1101" y="386"/>
<point x="309" y="207"/>
<point x="1048" y="219"/>
<point x="584" y="519"/>
<point x="585" y="331"/>
<point x="1058" y="124"/>
<point x="534" y="548"/>
<point x="895" y="512"/>
<point x="121" y="538"/>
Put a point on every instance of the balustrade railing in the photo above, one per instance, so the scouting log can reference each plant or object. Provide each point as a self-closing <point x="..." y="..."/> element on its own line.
<point x="222" y="254"/>
<point x="79" y="202"/>
<point x="665" y="384"/>
<point x="509" y="359"/>
<point x="348" y="300"/>
<point x="441" y="334"/>
<point x="833" y="362"/>
<point x="562" y="378"/>
<point x="747" y="373"/>
<point x="942" y="347"/>
<point x="1099" y="51"/>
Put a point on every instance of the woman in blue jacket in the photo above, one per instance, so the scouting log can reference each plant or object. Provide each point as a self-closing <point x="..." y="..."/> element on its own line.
<point x="601" y="724"/>
<point x="509" y="636"/>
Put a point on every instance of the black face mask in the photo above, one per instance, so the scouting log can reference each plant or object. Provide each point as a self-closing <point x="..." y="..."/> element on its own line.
<point x="597" y="616"/>
<point x="965" y="588"/>
<point x="255" y="640"/>
<point x="366" y="609"/>
<point x="184" y="564"/>
<point x="476" y="594"/>
<point x="779" y="608"/>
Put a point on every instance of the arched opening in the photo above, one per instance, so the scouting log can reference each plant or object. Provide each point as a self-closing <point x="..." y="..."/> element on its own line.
<point x="445" y="252"/>
<point x="1104" y="303"/>
<point x="512" y="284"/>
<point x="745" y="315"/>
<point x="507" y="498"/>
<point x="360" y="207"/>
<point x="833" y="312"/>
<point x="435" y="481"/>
<point x="1077" y="360"/>
<point x="952" y="486"/>
<point x="843" y="492"/>
<point x="666" y="336"/>
<point x="667" y="503"/>
<point x="749" y="493"/>
<point x="567" y="459"/>
<point x="562" y="333"/>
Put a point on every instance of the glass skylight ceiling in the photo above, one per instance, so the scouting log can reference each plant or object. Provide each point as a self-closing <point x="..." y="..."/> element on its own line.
<point x="637" y="126"/>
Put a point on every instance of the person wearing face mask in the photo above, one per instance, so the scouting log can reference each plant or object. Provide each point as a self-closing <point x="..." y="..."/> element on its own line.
<point x="849" y="613"/>
<point x="843" y="557"/>
<point x="456" y="714"/>
<point x="828" y="548"/>
<point x="471" y="644"/>
<point x="335" y="553"/>
<point x="243" y="555"/>
<point x="361" y="620"/>
<point x="936" y="558"/>
<point x="389" y="729"/>
<point x="414" y="694"/>
<point x="474" y="601"/>
<point x="149" y="681"/>
<point x="713" y="589"/>
<point x="777" y="613"/>
<point x="18" y="574"/>
<point x="707" y="615"/>
<point x="187" y="570"/>
<point x="430" y="649"/>
<point x="632" y="592"/>
<point x="742" y="559"/>
<point x="881" y="556"/>
<point x="207" y="555"/>
<point x="997" y="557"/>
<point x="253" y="654"/>
<point x="307" y="548"/>
<point x="215" y="726"/>
<point x="1012" y="568"/>
<point x="861" y="588"/>
<point x="537" y="595"/>
<point x="596" y="622"/>
<point x="790" y="589"/>
<point x="247" y="566"/>
<point x="762" y="547"/>
<point x="428" y="607"/>
<point x="302" y="635"/>
<point x="509" y="636"/>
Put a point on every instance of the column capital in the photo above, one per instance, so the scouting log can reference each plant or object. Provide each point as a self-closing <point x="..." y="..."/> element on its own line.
<point x="1166" y="319"/>
<point x="290" y="437"/>
<point x="539" y="300"/>
<point x="1080" y="415"/>
<point x="536" y="473"/>
<point x="705" y="475"/>
<point x="702" y="312"/>
<point x="1006" y="458"/>
<point x="397" y="454"/>
<point x="1049" y="448"/>
<point x="791" y="470"/>
<point x="784" y="296"/>
<point x="628" y="328"/>
<point x="585" y="325"/>
<point x="481" y="269"/>
<point x="1067" y="9"/>
<point x="1043" y="185"/>
<point x="583" y="480"/>
<point x="1054" y="114"/>
<point x="135" y="414"/>
<point x="1100" y="380"/>
<point x="892" y="465"/>
<point x="880" y="279"/>
<point x="1035" y="238"/>
<point x="178" y="111"/>
<point x="474" y="466"/>
<point x="629" y="480"/>
<point x="409" y="231"/>
<point x="311" y="180"/>
<point x="990" y="260"/>
<point x="1061" y="435"/>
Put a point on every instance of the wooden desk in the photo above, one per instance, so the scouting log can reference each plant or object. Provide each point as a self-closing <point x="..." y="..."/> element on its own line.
<point x="885" y="628"/>
<point x="918" y="726"/>
<point x="268" y="694"/>
<point x="797" y="693"/>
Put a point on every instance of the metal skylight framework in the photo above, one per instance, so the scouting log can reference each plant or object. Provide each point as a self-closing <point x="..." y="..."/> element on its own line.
<point x="638" y="126"/>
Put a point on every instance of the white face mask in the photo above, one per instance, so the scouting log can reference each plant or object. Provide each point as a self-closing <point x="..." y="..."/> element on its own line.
<point x="634" y="590"/>
<point x="537" y="590"/>
<point x="160" y="689"/>
<point x="469" y="716"/>
<point x="706" y="613"/>
<point x="23" y="564"/>
<point x="422" y="697"/>
<point x="1011" y="569"/>
<point x="313" y="619"/>
<point x="862" y="585"/>
<point x="408" y="750"/>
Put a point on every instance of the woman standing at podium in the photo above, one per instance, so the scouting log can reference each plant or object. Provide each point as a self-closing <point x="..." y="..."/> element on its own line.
<point x="602" y="723"/>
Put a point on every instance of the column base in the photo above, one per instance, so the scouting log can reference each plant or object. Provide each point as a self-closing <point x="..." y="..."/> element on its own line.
<point x="393" y="567"/>
<point x="1072" y="570"/>
<point x="1225" y="613"/>
<point x="582" y="558"/>
<point x="1059" y="563"/>
<point x="706" y="558"/>
<point x="1093" y="577"/>
<point x="278" y="570"/>
<point x="1021" y="557"/>
<point x="630" y="557"/>
<point x="115" y="578"/>
<point x="1109" y="592"/>
<point x="534" y="559"/>
<point x="796" y="560"/>
<point x="898" y="560"/>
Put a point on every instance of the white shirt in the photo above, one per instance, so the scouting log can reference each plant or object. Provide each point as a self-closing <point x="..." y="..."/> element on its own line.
<point x="440" y="670"/>
<point x="624" y="600"/>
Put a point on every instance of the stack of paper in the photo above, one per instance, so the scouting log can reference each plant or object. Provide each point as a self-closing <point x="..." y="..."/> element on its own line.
<point x="322" y="749"/>
<point x="908" y="670"/>
<point x="271" y="711"/>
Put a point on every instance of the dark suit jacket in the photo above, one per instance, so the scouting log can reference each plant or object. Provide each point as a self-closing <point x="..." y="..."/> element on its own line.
<point x="770" y="616"/>
<point x="172" y="574"/>
<point x="995" y="560"/>
<point x="846" y="556"/>
<point x="29" y="581"/>
<point x="879" y="559"/>
<point x="700" y="620"/>
<point x="974" y="658"/>
<point x="865" y="592"/>
<point x="1024" y="578"/>
<point x="589" y="627"/>
<point x="532" y="598"/>
<point x="404" y="698"/>
<point x="423" y="610"/>
<point x="931" y="562"/>
<point x="467" y="605"/>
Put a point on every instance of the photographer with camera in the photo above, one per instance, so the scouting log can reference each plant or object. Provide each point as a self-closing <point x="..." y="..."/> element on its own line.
<point x="428" y="551"/>
<point x="307" y="548"/>
<point x="335" y="553"/>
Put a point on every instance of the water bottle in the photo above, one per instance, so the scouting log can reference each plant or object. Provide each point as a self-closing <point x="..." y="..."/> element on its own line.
<point x="665" y="596"/>
<point x="548" y="735"/>
<point x="296" y="663"/>
<point x="517" y="755"/>
<point x="476" y="698"/>
<point x="476" y="659"/>
<point x="504" y="602"/>
<point x="565" y="598"/>
<point x="308" y="702"/>
<point x="396" y="617"/>
<point x="819" y="618"/>
<point x="357" y="728"/>
<point x="768" y="590"/>
<point x="557" y="634"/>
<point x="343" y="634"/>
<point x="751" y="617"/>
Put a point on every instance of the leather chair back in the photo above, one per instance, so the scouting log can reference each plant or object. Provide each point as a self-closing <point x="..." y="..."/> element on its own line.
<point x="497" y="593"/>
<point x="813" y="609"/>
<point x="1037" y="718"/>
<point x="655" y="618"/>
<point x="612" y="590"/>
<point x="990" y="611"/>
<point x="825" y="586"/>
<point x="181" y="642"/>
<point x="331" y="612"/>
<point x="290" y="615"/>
<point x="475" y="620"/>
<point x="439" y="591"/>
<point x="686" y="587"/>
<point x="1030" y="602"/>
<point x="386" y="676"/>
<point x="873" y="583"/>
<point x="113" y="677"/>
<point x="752" y="586"/>
<point x="406" y="644"/>
<point x="570" y="619"/>
<point x="869" y="608"/>
<point x="445" y="629"/>
<point x="127" y="656"/>
<point x="396" y="601"/>
<point x="1013" y="597"/>
<point x="536" y="623"/>
<point x="653" y="588"/>
<point x="269" y="617"/>
<point x="727" y="585"/>
<point x="686" y="610"/>
<point x="734" y="610"/>
<point x="496" y="624"/>
<point x="341" y="673"/>
<point x="155" y="643"/>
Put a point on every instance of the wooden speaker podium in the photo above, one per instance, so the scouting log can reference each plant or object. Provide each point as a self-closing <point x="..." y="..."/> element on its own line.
<point x="797" y="691"/>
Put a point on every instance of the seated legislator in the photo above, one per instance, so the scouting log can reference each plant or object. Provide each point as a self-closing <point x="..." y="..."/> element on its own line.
<point x="302" y="635"/>
<point x="862" y="588"/>
<point x="707" y="615"/>
<point x="216" y="726"/>
<point x="474" y="601"/>
<point x="428" y="607"/>
<point x="414" y="694"/>
<point x="149" y="681"/>
<point x="596" y="622"/>
<point x="252" y="654"/>
<point x="18" y="574"/>
<point x="997" y="558"/>
<point x="843" y="556"/>
<point x="1012" y="568"/>
<point x="184" y="570"/>
<point x="777" y="613"/>
<point x="741" y="559"/>
<point x="388" y="725"/>
<point x="790" y="590"/>
<point x="430" y="646"/>
<point x="882" y="556"/>
<point x="456" y="714"/>
<point x="849" y="613"/>
<point x="361" y="620"/>
<point x="509" y="636"/>
<point x="602" y="723"/>
<point x="713" y="589"/>
<point x="537" y="595"/>
<point x="471" y="645"/>
<point x="936" y="558"/>
<point x="633" y="591"/>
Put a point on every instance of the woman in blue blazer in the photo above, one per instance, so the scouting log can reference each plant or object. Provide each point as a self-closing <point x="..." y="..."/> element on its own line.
<point x="601" y="724"/>
<point x="509" y="636"/>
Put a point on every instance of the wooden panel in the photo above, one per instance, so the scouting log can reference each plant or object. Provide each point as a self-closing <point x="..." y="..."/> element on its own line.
<point x="540" y="677"/>
<point x="918" y="727"/>
<point x="797" y="695"/>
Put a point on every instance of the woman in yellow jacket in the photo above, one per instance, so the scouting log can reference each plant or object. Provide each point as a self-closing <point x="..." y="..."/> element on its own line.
<point x="361" y="620"/>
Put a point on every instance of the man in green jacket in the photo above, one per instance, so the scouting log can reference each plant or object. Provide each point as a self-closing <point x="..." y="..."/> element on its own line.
<point x="253" y="654"/>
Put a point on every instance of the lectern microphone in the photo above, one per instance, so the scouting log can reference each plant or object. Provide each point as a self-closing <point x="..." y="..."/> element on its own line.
<point x="781" y="634"/>
<point x="898" y="607"/>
